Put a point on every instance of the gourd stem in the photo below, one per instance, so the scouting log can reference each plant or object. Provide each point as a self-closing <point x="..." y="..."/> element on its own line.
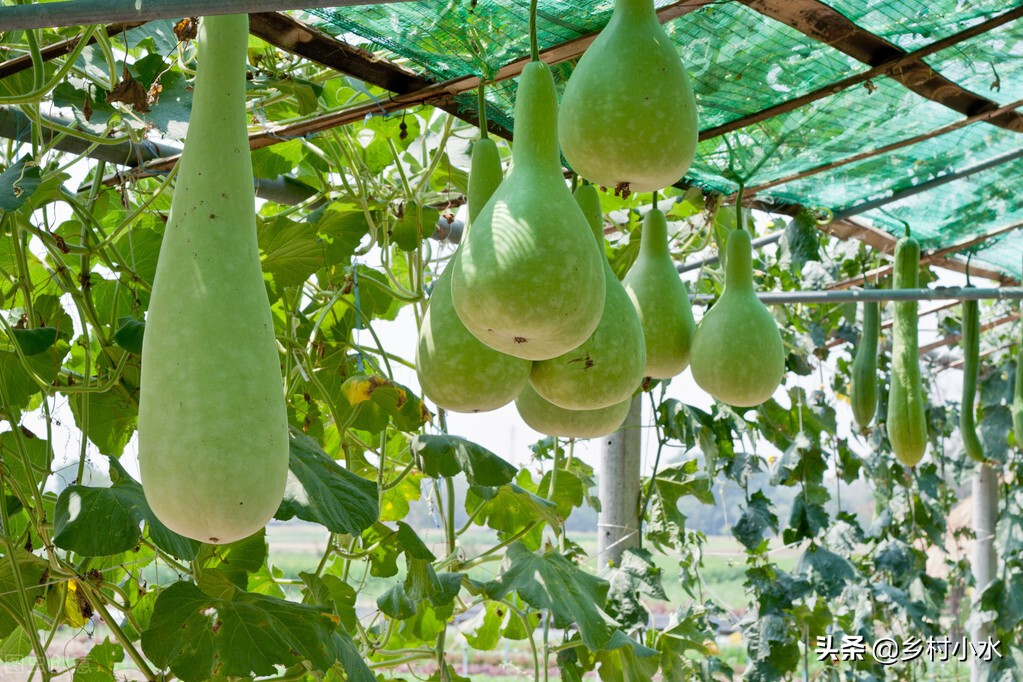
<point x="481" y="106"/>
<point x="534" y="46"/>
<point x="655" y="200"/>
<point x="739" y="223"/>
<point x="633" y="10"/>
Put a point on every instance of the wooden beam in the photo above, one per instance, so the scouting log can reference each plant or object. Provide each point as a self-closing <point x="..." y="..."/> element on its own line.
<point x="59" y="49"/>
<point x="937" y="132"/>
<point x="955" y="338"/>
<point x="887" y="324"/>
<point x="824" y="24"/>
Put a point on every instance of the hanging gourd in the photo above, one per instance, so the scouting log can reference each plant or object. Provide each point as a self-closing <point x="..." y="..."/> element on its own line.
<point x="213" y="429"/>
<point x="661" y="300"/>
<point x="529" y="281"/>
<point x="608" y="367"/>
<point x="628" y="115"/>
<point x="971" y="366"/>
<point x="455" y="369"/>
<point x="737" y="354"/>
<point x="547" y="418"/>
<point x="863" y="383"/>
<point x="1017" y="397"/>
<point x="907" y="422"/>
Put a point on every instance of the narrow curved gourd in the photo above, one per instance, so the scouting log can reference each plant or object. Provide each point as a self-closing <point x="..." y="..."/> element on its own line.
<point x="213" y="429"/>
<point x="608" y="367"/>
<point x="455" y="369"/>
<point x="907" y="422"/>
<point x="971" y="366"/>
<point x="737" y="354"/>
<point x="863" y="389"/>
<point x="547" y="418"/>
<point x="628" y="115"/>
<point x="661" y="300"/>
<point x="1017" y="398"/>
<point x="528" y="281"/>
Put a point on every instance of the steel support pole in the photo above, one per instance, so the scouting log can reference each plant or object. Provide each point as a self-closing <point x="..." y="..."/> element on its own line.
<point x="618" y="481"/>
<point x="985" y="560"/>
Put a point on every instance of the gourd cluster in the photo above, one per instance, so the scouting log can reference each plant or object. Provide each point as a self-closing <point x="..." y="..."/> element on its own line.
<point x="528" y="308"/>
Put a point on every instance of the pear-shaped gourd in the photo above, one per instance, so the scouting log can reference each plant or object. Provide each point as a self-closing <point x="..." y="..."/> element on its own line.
<point x="547" y="418"/>
<point x="628" y="115"/>
<point x="528" y="281"/>
<point x="608" y="367"/>
<point x="213" y="428"/>
<point x="662" y="301"/>
<point x="455" y="369"/>
<point x="737" y="354"/>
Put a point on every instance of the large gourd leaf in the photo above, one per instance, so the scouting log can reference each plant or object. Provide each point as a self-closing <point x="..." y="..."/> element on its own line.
<point x="450" y="455"/>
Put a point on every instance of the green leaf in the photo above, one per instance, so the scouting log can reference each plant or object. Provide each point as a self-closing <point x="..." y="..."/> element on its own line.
<point x="35" y="341"/>
<point x="831" y="571"/>
<point x="376" y="401"/>
<point x="396" y="603"/>
<point x="217" y="629"/>
<point x="98" y="665"/>
<point x="801" y="242"/>
<point x="627" y="661"/>
<point x="34" y="573"/>
<point x="15" y="646"/>
<point x="666" y="522"/>
<point x="37" y="451"/>
<point x="638" y="575"/>
<point x="550" y="581"/>
<point x="278" y="159"/>
<point x="291" y="251"/>
<point x="322" y="491"/>
<point x="755" y="519"/>
<point x="112" y="419"/>
<point x="510" y="508"/>
<point x="445" y="456"/>
<point x="331" y="590"/>
<point x="129" y="335"/>
<point x="106" y="521"/>
<point x="344" y="226"/>
<point x="236" y="560"/>
<point x="18" y="182"/>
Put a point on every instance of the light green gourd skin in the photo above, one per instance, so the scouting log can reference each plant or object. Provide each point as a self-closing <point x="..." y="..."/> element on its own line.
<point x="737" y="355"/>
<point x="1017" y="399"/>
<point x="213" y="430"/>
<point x="547" y="418"/>
<point x="628" y="114"/>
<point x="907" y="421"/>
<point x="971" y="368"/>
<point x="528" y="281"/>
<point x="608" y="367"/>
<point x="661" y="300"/>
<point x="863" y="391"/>
<point x="455" y="369"/>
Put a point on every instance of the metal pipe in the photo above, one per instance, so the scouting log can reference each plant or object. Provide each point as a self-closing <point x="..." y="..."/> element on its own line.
<point x="862" y="295"/>
<point x="80" y="12"/>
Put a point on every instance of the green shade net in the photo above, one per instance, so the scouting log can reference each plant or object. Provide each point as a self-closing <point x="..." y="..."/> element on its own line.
<point x="742" y="62"/>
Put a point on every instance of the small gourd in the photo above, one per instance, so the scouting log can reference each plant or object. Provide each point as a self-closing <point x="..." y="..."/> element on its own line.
<point x="661" y="300"/>
<point x="863" y="389"/>
<point x="528" y="281"/>
<point x="971" y="366"/>
<point x="628" y="115"/>
<point x="907" y="421"/>
<point x="213" y="427"/>
<point x="608" y="367"/>
<point x="456" y="370"/>
<point x="737" y="354"/>
<point x="547" y="418"/>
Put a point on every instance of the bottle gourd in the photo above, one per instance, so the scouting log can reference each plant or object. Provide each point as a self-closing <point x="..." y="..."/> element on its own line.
<point x="737" y="353"/>
<point x="907" y="422"/>
<point x="863" y="384"/>
<point x="628" y="115"/>
<point x="661" y="300"/>
<point x="971" y="366"/>
<point x="608" y="367"/>
<point x="528" y="281"/>
<point x="456" y="370"/>
<point x="213" y="431"/>
<point x="547" y="418"/>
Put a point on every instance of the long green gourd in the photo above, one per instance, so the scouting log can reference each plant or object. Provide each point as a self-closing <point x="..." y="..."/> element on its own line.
<point x="737" y="354"/>
<point x="863" y="389"/>
<point x="456" y="370"/>
<point x="907" y="422"/>
<point x="628" y="115"/>
<point x="661" y="300"/>
<point x="529" y="282"/>
<point x="608" y="367"/>
<point x="547" y="418"/>
<point x="1017" y="397"/>
<point x="971" y="366"/>
<point x="213" y="429"/>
